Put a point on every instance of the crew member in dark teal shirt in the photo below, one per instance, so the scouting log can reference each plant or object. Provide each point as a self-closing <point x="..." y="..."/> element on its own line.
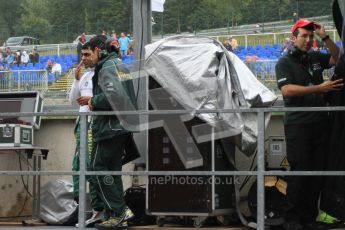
<point x="300" y="78"/>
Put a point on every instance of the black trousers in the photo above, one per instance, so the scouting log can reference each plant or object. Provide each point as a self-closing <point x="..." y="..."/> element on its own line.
<point x="306" y="146"/>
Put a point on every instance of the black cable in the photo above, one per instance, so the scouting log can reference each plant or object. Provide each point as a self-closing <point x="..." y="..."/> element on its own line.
<point x="26" y="195"/>
<point x="26" y="186"/>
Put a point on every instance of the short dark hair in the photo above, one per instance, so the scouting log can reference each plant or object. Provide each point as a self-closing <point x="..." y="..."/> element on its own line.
<point x="98" y="41"/>
<point x="309" y="27"/>
<point x="86" y="46"/>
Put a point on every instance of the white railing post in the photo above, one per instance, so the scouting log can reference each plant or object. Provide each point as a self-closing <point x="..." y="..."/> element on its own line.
<point x="274" y="38"/>
<point x="19" y="76"/>
<point x="45" y="80"/>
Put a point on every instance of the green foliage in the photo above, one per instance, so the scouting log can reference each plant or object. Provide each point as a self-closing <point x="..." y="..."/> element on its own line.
<point x="63" y="20"/>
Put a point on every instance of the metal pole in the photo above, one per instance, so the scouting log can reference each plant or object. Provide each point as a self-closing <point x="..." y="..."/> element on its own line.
<point x="82" y="168"/>
<point x="34" y="185"/>
<point x="261" y="170"/>
<point x="142" y="31"/>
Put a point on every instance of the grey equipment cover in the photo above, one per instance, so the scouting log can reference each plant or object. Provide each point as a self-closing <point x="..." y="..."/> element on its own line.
<point x="201" y="74"/>
<point x="57" y="203"/>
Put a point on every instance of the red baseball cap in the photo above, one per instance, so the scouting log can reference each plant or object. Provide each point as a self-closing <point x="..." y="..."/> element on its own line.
<point x="114" y="42"/>
<point x="302" y="23"/>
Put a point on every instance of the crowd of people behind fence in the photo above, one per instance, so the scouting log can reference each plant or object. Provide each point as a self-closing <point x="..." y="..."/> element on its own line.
<point x="123" y="41"/>
<point x="8" y="58"/>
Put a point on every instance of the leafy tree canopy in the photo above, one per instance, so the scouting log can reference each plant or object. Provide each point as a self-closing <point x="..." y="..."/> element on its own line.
<point x="63" y="20"/>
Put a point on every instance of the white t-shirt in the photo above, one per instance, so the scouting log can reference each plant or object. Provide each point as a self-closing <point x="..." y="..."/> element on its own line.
<point x="56" y="68"/>
<point x="83" y="87"/>
<point x="25" y="58"/>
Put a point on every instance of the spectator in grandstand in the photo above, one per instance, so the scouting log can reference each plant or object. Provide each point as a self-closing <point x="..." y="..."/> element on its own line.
<point x="83" y="38"/>
<point x="124" y="42"/>
<point x="104" y="32"/>
<point x="114" y="36"/>
<point x="250" y="60"/>
<point x="227" y="44"/>
<point x="49" y="66"/>
<point x="131" y="50"/>
<point x="233" y="43"/>
<point x="16" y="60"/>
<point x="286" y="46"/>
<point x="34" y="56"/>
<point x="25" y="57"/>
<point x="81" y="92"/>
<point x="2" y="56"/>
<point x="1" y="67"/>
<point x="9" y="59"/>
<point x="109" y="134"/>
<point x="300" y="78"/>
<point x="56" y="69"/>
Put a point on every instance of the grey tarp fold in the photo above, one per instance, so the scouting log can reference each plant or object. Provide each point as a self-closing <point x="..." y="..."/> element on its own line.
<point x="57" y="203"/>
<point x="199" y="73"/>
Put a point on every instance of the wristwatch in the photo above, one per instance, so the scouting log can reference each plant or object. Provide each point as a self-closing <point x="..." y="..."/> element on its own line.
<point x="325" y="38"/>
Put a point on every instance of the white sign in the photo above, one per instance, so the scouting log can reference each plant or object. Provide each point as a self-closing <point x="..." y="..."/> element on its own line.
<point x="276" y="149"/>
<point x="157" y="5"/>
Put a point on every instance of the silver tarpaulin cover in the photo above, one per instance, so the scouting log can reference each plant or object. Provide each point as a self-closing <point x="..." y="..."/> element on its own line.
<point x="199" y="73"/>
<point x="57" y="203"/>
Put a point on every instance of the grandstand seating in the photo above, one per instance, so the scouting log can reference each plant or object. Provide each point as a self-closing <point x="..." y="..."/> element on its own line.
<point x="66" y="62"/>
<point x="265" y="52"/>
<point x="264" y="67"/>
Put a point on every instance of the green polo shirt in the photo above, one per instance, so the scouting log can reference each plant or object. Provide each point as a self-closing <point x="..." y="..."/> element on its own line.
<point x="290" y="70"/>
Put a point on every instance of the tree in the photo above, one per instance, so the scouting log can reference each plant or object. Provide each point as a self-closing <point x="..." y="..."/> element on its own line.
<point x="34" y="18"/>
<point x="10" y="12"/>
<point x="63" y="20"/>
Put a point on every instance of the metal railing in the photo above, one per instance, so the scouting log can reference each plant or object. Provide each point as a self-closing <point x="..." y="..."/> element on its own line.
<point x="260" y="173"/>
<point x="277" y="26"/>
<point x="254" y="39"/>
<point x="264" y="70"/>
<point x="24" y="80"/>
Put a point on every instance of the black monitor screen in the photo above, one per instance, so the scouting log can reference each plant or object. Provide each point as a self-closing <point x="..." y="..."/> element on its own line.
<point x="10" y="106"/>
